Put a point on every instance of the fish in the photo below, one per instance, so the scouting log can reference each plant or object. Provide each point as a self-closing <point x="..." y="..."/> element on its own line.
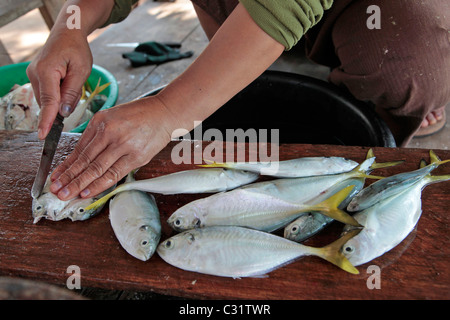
<point x="293" y="168"/>
<point x="75" y="211"/>
<point x="384" y="188"/>
<point x="82" y="112"/>
<point x="388" y="222"/>
<point x="239" y="252"/>
<point x="187" y="181"/>
<point x="254" y="210"/>
<point x="50" y="207"/>
<point x="287" y="192"/>
<point x="135" y="219"/>
<point x="19" y="109"/>
<point x="296" y="168"/>
<point x="309" y="224"/>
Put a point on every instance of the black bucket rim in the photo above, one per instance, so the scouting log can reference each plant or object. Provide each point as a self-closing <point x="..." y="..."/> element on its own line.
<point x="363" y="109"/>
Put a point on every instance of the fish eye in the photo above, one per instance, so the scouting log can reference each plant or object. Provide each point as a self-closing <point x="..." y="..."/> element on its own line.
<point x="349" y="249"/>
<point x="177" y="222"/>
<point x="144" y="243"/>
<point x="80" y="210"/>
<point x="168" y="244"/>
<point x="294" y="229"/>
<point x="38" y="208"/>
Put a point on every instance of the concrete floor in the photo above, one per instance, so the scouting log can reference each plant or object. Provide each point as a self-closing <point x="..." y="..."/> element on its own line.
<point x="23" y="37"/>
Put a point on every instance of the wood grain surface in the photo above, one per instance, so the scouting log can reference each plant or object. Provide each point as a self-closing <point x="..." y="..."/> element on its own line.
<point x="416" y="269"/>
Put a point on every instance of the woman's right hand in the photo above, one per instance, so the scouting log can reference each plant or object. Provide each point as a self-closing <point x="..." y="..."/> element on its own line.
<point x="58" y="73"/>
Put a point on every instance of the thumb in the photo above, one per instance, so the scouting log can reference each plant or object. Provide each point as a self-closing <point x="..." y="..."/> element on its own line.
<point x="71" y="89"/>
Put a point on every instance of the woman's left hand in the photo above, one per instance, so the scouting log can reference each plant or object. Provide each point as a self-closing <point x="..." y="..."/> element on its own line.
<point x="116" y="141"/>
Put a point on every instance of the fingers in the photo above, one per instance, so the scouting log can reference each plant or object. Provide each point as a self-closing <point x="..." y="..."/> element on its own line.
<point x="71" y="89"/>
<point x="98" y="176"/>
<point x="95" y="164"/>
<point x="46" y="88"/>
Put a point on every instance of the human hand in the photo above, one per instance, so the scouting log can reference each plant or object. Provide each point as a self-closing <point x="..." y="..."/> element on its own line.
<point x="57" y="75"/>
<point x="116" y="141"/>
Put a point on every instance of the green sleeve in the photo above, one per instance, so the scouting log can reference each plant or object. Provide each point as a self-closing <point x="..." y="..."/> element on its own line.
<point x="120" y="11"/>
<point x="286" y="20"/>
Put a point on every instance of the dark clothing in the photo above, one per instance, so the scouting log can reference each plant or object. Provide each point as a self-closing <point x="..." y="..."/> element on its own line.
<point x="403" y="67"/>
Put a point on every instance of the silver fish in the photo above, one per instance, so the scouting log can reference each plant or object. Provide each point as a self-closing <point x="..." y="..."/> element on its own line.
<point x="311" y="223"/>
<point x="388" y="222"/>
<point x="294" y="168"/>
<point x="391" y="185"/>
<point x="134" y="217"/>
<point x="48" y="205"/>
<point x="188" y="181"/>
<point x="260" y="211"/>
<point x="240" y="252"/>
<point x="19" y="109"/>
<point x="254" y="200"/>
<point x="75" y="209"/>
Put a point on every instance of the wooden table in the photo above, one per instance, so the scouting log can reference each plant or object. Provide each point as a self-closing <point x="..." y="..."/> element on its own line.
<point x="416" y="269"/>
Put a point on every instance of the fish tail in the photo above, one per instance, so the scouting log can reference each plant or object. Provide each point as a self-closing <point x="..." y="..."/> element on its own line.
<point x="377" y="165"/>
<point x="101" y="202"/>
<point x="213" y="164"/>
<point x="433" y="179"/>
<point x="434" y="159"/>
<point x="329" y="207"/>
<point x="333" y="253"/>
<point x="360" y="171"/>
<point x="130" y="176"/>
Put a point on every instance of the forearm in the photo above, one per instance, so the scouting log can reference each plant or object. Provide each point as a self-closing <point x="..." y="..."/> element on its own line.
<point x="237" y="54"/>
<point x="93" y="15"/>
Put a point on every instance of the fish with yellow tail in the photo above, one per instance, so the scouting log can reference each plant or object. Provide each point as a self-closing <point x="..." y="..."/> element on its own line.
<point x="239" y="252"/>
<point x="260" y="211"/>
<point x="298" y="167"/>
<point x="388" y="222"/>
<point x="391" y="185"/>
<point x="319" y="188"/>
<point x="188" y="181"/>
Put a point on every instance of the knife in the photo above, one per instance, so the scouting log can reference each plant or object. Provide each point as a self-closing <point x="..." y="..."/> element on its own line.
<point x="49" y="149"/>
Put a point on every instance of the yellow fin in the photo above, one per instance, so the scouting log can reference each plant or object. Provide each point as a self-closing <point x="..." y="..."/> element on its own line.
<point x="213" y="164"/>
<point x="333" y="253"/>
<point x="100" y="202"/>
<point x="376" y="165"/>
<point x="434" y="157"/>
<point x="370" y="154"/>
<point x="422" y="163"/>
<point x="379" y="165"/>
<point x="329" y="207"/>
<point x="435" y="160"/>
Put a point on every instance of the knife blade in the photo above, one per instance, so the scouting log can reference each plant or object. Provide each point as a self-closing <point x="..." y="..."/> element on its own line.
<point x="48" y="152"/>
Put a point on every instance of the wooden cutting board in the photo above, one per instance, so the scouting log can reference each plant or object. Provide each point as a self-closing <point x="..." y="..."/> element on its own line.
<point x="416" y="269"/>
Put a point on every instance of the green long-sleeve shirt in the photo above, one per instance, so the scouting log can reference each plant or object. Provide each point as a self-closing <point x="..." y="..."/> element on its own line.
<point x="286" y="21"/>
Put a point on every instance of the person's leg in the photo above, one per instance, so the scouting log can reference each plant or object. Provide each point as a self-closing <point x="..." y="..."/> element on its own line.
<point x="212" y="13"/>
<point x="403" y="68"/>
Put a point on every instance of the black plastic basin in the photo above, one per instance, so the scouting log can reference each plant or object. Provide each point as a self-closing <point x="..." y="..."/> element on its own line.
<point x="304" y="109"/>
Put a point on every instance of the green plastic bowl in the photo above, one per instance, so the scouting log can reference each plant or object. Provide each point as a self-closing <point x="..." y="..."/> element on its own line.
<point x="16" y="74"/>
